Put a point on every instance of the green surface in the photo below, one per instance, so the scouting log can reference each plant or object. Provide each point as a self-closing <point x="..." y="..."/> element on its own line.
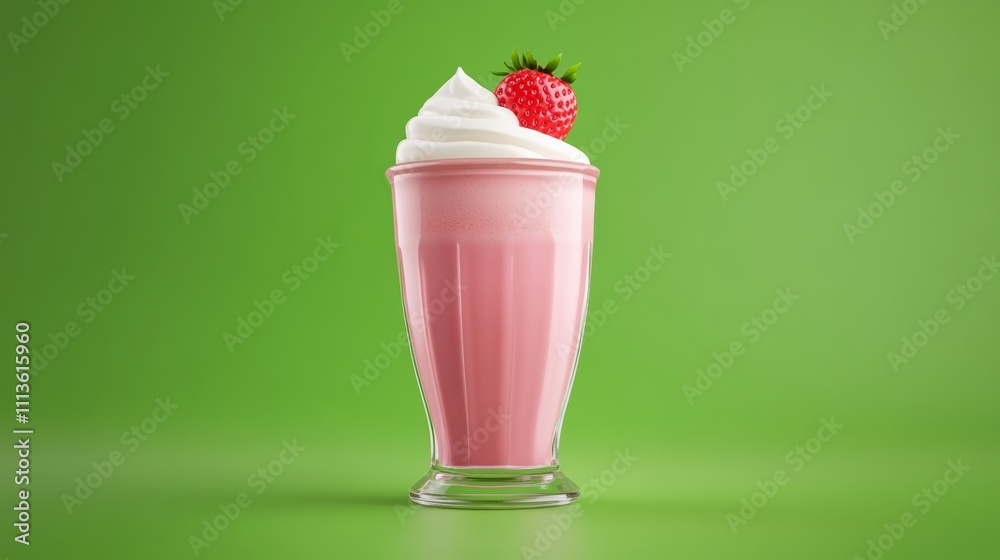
<point x="681" y="125"/>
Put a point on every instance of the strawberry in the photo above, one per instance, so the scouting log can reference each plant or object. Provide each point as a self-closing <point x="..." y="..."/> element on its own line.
<point x="540" y="100"/>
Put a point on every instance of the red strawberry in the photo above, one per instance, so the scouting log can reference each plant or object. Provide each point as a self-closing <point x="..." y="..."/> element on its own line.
<point x="540" y="100"/>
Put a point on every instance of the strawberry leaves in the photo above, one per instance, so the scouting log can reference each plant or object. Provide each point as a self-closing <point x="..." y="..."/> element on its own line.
<point x="553" y="64"/>
<point x="570" y="76"/>
<point x="528" y="62"/>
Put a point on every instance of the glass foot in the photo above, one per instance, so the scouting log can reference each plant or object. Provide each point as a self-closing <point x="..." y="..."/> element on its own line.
<point x="494" y="489"/>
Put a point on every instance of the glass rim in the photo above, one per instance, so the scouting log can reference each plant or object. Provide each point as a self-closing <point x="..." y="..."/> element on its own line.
<point x="504" y="164"/>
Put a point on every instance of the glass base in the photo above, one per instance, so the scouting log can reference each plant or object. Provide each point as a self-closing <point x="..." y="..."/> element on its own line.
<point x="494" y="489"/>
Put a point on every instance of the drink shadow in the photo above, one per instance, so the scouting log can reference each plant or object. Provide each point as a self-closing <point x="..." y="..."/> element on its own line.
<point x="435" y="533"/>
<point x="334" y="499"/>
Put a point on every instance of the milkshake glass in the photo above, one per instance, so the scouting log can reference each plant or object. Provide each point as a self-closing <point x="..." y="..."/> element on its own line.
<point x="494" y="261"/>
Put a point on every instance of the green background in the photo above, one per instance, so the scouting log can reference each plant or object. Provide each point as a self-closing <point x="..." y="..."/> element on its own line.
<point x="323" y="176"/>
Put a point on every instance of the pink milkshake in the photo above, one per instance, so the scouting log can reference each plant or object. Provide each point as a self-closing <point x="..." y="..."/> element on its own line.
<point x="494" y="261"/>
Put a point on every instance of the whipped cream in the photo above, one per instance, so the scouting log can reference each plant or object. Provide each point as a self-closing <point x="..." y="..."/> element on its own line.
<point x="463" y="120"/>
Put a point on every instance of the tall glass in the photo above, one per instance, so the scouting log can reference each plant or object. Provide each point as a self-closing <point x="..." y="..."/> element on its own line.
<point x="494" y="262"/>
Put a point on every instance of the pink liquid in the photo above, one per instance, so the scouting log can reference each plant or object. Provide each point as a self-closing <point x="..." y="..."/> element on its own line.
<point x="495" y="265"/>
